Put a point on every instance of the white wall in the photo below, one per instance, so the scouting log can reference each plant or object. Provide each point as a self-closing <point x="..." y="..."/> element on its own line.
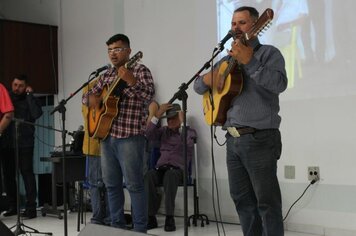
<point x="177" y="38"/>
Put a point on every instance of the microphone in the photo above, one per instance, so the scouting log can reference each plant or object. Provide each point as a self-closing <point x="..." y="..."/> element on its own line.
<point x="80" y="128"/>
<point x="106" y="67"/>
<point x="228" y="36"/>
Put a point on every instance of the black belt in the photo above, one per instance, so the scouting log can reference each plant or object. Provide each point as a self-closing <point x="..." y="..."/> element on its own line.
<point x="246" y="130"/>
<point x="237" y="132"/>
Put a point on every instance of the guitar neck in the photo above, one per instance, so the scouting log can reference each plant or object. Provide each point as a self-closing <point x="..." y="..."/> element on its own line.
<point x="128" y="65"/>
<point x="231" y="64"/>
<point x="113" y="85"/>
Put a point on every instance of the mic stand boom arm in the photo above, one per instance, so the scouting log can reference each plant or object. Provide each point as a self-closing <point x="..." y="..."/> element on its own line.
<point x="38" y="125"/>
<point x="64" y="101"/>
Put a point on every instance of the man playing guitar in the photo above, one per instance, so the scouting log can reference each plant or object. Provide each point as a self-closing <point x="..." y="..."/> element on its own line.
<point x="122" y="149"/>
<point x="252" y="121"/>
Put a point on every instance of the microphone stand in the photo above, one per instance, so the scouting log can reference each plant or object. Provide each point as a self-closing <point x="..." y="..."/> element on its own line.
<point x="182" y="95"/>
<point x="62" y="109"/>
<point x="20" y="227"/>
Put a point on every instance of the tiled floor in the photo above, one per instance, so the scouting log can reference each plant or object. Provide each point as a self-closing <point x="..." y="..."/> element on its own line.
<point x="56" y="227"/>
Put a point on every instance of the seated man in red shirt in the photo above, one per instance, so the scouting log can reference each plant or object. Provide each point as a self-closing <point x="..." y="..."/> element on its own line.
<point x="170" y="166"/>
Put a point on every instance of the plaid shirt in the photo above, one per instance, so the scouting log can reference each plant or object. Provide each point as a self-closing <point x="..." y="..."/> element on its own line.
<point x="131" y="119"/>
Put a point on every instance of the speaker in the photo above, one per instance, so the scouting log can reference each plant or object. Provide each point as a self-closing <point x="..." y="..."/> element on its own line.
<point x="4" y="231"/>
<point x="94" y="230"/>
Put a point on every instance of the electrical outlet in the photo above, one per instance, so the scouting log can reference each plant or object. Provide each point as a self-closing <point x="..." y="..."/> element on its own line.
<point x="289" y="172"/>
<point x="313" y="173"/>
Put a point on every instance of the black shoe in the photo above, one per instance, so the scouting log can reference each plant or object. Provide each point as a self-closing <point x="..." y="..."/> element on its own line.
<point x="169" y="225"/>
<point x="152" y="222"/>
<point x="4" y="204"/>
<point x="29" y="214"/>
<point x="11" y="212"/>
<point x="3" y="209"/>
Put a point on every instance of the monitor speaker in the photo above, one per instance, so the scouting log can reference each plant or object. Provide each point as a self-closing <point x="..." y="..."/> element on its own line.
<point x="4" y="230"/>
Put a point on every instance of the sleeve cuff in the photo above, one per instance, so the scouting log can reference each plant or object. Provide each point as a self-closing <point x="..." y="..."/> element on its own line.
<point x="154" y="120"/>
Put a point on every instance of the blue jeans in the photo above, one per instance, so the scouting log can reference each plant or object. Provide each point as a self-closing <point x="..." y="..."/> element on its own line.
<point x="98" y="195"/>
<point x="122" y="159"/>
<point x="254" y="188"/>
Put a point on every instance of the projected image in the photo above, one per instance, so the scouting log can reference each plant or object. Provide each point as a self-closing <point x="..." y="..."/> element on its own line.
<point x="305" y="32"/>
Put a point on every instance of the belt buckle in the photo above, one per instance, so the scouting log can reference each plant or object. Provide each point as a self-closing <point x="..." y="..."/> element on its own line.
<point x="233" y="132"/>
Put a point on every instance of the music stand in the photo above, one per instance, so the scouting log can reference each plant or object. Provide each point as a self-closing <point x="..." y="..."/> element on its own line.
<point x="20" y="227"/>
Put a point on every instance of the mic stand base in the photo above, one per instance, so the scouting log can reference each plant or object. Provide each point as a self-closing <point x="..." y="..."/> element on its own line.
<point x="20" y="230"/>
<point x="197" y="216"/>
<point x="51" y="211"/>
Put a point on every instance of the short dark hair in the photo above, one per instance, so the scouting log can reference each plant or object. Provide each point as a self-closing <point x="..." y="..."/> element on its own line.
<point x="253" y="12"/>
<point x="119" y="37"/>
<point x="22" y="77"/>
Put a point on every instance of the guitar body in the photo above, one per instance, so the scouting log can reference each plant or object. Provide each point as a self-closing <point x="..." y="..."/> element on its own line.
<point x="102" y="116"/>
<point x="226" y="86"/>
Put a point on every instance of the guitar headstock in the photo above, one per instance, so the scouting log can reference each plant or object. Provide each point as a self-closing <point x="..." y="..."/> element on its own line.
<point x="133" y="60"/>
<point x="263" y="21"/>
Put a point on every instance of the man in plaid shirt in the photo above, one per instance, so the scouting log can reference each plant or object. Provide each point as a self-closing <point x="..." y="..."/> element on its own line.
<point x="123" y="150"/>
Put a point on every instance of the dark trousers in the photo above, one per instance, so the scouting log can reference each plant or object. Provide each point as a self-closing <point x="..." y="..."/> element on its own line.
<point x="9" y="174"/>
<point x="26" y="170"/>
<point x="98" y="195"/>
<point x="170" y="178"/>
<point x="254" y="188"/>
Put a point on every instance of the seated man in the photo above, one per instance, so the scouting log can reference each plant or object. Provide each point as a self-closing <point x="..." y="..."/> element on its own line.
<point x="170" y="166"/>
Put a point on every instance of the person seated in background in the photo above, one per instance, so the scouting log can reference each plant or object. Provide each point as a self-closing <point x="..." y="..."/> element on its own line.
<point x="170" y="166"/>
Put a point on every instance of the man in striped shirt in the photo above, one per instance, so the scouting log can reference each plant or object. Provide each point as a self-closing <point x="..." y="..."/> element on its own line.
<point x="123" y="149"/>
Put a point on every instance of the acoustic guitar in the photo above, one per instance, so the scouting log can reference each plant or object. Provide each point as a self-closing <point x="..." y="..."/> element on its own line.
<point x="102" y="115"/>
<point x="229" y="80"/>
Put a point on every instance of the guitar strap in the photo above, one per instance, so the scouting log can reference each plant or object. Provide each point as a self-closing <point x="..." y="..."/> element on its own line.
<point x="119" y="88"/>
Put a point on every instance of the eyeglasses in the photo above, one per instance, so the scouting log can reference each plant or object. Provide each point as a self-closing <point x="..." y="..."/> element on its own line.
<point x="116" y="50"/>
